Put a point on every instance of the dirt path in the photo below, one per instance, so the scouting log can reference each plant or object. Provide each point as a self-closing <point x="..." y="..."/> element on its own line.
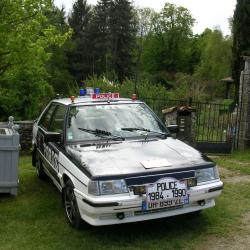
<point x="233" y="177"/>
<point x="238" y="241"/>
<point x="241" y="239"/>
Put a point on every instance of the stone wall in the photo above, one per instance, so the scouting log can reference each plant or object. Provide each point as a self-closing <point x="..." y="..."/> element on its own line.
<point x="25" y="131"/>
<point x="243" y="121"/>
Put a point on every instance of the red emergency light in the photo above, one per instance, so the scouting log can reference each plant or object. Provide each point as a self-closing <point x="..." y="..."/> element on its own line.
<point x="72" y="98"/>
<point x="106" y="96"/>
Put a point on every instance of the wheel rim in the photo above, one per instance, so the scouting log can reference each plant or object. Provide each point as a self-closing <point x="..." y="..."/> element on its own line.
<point x="70" y="204"/>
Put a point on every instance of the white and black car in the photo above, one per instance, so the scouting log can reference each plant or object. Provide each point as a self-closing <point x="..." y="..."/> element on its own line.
<point x="115" y="162"/>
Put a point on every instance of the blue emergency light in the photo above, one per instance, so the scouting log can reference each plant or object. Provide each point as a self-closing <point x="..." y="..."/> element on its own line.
<point x="97" y="91"/>
<point x="89" y="91"/>
<point x="82" y="92"/>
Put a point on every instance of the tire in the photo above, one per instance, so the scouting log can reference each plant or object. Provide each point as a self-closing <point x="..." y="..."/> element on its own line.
<point x="39" y="167"/>
<point x="70" y="206"/>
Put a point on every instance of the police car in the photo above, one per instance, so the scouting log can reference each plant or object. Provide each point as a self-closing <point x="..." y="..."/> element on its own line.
<point x="114" y="162"/>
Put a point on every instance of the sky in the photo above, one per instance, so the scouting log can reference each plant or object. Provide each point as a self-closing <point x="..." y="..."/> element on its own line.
<point x="208" y="13"/>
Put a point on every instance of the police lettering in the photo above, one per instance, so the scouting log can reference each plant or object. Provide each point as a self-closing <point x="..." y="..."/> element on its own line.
<point x="166" y="186"/>
<point x="51" y="156"/>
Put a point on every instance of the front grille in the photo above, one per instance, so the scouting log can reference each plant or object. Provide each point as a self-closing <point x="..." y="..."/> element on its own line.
<point x="138" y="184"/>
<point x="149" y="179"/>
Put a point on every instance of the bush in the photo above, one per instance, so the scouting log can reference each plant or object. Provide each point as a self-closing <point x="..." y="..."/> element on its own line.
<point x="187" y="86"/>
<point x="126" y="89"/>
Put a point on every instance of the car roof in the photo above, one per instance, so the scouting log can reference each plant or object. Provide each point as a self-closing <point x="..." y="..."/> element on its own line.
<point x="89" y="100"/>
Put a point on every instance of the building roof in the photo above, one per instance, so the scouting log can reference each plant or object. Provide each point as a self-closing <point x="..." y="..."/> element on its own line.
<point x="227" y="79"/>
<point x="181" y="109"/>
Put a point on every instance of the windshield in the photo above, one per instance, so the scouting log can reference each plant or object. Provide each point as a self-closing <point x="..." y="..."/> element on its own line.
<point x="111" y="120"/>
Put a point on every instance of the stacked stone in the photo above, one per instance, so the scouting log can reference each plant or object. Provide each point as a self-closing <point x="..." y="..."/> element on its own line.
<point x="25" y="131"/>
<point x="243" y="123"/>
<point x="185" y="118"/>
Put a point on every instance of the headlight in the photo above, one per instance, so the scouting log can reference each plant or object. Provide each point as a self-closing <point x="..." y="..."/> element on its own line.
<point x="107" y="187"/>
<point x="207" y="174"/>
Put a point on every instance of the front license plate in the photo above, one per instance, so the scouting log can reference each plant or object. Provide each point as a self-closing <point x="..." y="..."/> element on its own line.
<point x="166" y="192"/>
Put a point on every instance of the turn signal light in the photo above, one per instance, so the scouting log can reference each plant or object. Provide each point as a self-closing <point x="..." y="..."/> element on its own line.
<point x="192" y="182"/>
<point x="72" y="98"/>
<point x="139" y="190"/>
<point x="134" y="97"/>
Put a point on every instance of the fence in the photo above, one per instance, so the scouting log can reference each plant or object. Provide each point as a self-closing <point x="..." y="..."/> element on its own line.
<point x="215" y="124"/>
<point x="217" y="128"/>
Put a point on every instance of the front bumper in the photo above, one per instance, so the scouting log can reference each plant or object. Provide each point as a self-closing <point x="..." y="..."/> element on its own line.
<point x="99" y="211"/>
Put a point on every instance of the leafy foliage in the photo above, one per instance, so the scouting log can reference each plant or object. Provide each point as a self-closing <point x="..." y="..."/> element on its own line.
<point x="216" y="55"/>
<point x="103" y="39"/>
<point x="168" y="45"/>
<point x="123" y="31"/>
<point x="189" y="86"/>
<point x="101" y="35"/>
<point x="81" y="56"/>
<point x="109" y="42"/>
<point x="27" y="34"/>
<point x="126" y="89"/>
<point x="58" y="65"/>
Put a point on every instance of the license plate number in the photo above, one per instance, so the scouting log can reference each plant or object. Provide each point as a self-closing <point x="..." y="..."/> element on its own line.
<point x="167" y="192"/>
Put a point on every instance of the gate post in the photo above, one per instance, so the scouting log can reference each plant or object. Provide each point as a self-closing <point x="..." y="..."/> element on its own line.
<point x="243" y="121"/>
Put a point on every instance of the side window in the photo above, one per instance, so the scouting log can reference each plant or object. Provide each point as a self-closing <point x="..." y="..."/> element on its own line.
<point x="46" y="118"/>
<point x="56" y="124"/>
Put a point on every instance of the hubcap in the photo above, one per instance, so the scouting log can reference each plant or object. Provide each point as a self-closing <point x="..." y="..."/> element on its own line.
<point x="70" y="205"/>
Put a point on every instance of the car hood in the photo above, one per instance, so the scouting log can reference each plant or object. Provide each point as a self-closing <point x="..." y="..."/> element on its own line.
<point x="132" y="157"/>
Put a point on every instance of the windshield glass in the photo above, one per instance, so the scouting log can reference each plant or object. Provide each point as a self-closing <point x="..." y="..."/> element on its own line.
<point x="86" y="122"/>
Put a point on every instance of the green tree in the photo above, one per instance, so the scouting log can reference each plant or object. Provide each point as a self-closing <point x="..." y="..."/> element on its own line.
<point x="58" y="65"/>
<point x="241" y="37"/>
<point x="168" y="47"/>
<point x="23" y="55"/>
<point x="144" y="18"/>
<point x="81" y="55"/>
<point x="123" y="34"/>
<point x="101" y="38"/>
<point x="216" y="55"/>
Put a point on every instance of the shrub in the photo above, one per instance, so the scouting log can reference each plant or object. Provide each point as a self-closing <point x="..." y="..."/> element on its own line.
<point x="126" y="89"/>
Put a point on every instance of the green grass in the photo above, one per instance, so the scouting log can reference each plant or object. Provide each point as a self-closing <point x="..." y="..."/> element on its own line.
<point x="35" y="220"/>
<point x="238" y="161"/>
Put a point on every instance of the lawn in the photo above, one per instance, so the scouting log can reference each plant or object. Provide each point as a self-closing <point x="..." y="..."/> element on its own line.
<point x="35" y="219"/>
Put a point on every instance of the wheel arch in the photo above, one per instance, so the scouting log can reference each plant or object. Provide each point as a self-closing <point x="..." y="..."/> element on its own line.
<point x="65" y="178"/>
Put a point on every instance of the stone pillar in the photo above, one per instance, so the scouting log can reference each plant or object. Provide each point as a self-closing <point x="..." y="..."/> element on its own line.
<point x="243" y="121"/>
<point x="185" y="118"/>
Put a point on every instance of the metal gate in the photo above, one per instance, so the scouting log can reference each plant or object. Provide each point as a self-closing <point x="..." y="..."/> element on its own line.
<point x="215" y="127"/>
<point x="215" y="124"/>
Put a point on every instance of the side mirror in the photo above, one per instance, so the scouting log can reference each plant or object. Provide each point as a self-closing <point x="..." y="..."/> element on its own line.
<point x="173" y="129"/>
<point x="52" y="137"/>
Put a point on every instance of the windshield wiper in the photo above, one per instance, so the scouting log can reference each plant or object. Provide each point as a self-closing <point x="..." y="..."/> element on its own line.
<point x="102" y="134"/>
<point x="146" y="130"/>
